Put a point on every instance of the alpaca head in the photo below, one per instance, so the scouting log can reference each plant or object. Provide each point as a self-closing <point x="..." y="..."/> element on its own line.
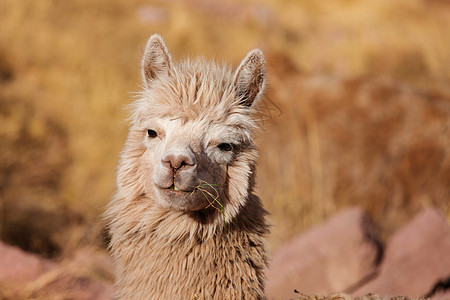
<point x="190" y="145"/>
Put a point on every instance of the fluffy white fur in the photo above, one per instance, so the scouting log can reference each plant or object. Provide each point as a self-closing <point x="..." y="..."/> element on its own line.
<point x="169" y="239"/>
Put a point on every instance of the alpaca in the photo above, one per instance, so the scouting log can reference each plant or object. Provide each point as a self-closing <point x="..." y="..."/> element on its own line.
<point x="185" y="223"/>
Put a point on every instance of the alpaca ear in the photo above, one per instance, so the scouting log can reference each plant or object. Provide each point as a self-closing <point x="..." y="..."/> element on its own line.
<point x="156" y="60"/>
<point x="250" y="78"/>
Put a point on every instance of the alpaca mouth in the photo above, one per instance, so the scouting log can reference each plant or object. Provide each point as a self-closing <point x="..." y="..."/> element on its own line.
<point x="174" y="189"/>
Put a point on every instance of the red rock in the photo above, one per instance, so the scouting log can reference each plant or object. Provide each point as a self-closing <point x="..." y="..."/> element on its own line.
<point x="416" y="259"/>
<point x="68" y="286"/>
<point x="326" y="259"/>
<point x="19" y="266"/>
<point x="20" y="273"/>
<point x="87" y="275"/>
<point x="441" y="295"/>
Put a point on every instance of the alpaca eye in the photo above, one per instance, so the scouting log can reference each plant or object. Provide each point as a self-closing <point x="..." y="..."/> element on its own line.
<point x="151" y="133"/>
<point x="225" y="147"/>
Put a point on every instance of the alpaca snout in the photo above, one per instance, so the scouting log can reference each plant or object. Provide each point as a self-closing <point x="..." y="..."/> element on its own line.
<point x="177" y="170"/>
<point x="179" y="159"/>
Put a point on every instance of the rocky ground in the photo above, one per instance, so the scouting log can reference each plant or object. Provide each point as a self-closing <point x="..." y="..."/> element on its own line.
<point x="86" y="275"/>
<point x="343" y="255"/>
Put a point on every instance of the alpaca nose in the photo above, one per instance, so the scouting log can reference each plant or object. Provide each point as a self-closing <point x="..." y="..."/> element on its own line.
<point x="177" y="160"/>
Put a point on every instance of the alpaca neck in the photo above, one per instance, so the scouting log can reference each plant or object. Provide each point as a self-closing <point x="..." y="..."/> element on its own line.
<point x="177" y="257"/>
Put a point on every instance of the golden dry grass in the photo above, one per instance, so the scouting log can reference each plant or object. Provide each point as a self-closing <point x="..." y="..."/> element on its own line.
<point x="67" y="69"/>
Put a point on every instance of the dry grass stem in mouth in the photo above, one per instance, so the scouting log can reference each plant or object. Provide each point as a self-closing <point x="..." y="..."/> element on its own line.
<point x="215" y="197"/>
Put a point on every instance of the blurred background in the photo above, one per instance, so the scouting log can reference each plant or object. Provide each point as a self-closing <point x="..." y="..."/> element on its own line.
<point x="357" y="105"/>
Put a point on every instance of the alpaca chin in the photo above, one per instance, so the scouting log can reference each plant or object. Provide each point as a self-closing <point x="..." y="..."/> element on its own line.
<point x="183" y="200"/>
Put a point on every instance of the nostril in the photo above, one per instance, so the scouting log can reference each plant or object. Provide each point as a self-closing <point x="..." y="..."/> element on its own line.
<point x="178" y="160"/>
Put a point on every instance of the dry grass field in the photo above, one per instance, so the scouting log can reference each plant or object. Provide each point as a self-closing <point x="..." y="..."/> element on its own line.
<point x="357" y="109"/>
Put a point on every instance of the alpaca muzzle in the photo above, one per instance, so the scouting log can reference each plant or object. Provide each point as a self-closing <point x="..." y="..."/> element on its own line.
<point x="177" y="171"/>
